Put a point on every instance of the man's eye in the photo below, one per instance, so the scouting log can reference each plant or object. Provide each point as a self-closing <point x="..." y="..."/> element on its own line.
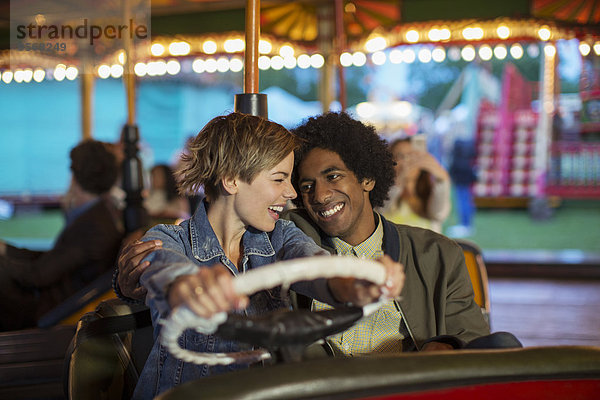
<point x="332" y="177"/>
<point x="305" y="188"/>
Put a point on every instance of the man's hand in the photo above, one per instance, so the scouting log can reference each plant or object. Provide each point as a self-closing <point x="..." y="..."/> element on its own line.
<point x="360" y="292"/>
<point x="207" y="292"/>
<point x="131" y="268"/>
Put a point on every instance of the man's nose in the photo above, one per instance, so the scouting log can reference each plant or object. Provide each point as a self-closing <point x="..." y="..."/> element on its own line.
<point x="322" y="193"/>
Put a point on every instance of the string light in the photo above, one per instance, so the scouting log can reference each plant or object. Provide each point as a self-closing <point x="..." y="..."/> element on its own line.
<point x="438" y="54"/>
<point x="303" y="61"/>
<point x="500" y="51"/>
<point x="378" y="58"/>
<point x="485" y="52"/>
<point x="424" y="55"/>
<point x="516" y="51"/>
<point x="584" y="48"/>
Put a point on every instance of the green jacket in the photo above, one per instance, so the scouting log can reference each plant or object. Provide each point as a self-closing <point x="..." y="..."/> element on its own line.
<point x="437" y="301"/>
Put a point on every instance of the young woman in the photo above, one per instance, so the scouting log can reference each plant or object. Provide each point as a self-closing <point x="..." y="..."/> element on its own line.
<point x="244" y="164"/>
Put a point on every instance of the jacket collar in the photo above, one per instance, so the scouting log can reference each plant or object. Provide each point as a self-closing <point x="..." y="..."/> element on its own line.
<point x="206" y="246"/>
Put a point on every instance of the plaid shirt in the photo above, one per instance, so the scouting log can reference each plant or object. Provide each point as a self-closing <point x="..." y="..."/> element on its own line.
<point x="377" y="333"/>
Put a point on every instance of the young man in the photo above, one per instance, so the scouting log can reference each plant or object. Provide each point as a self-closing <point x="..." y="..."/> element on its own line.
<point x="33" y="282"/>
<point x="342" y="171"/>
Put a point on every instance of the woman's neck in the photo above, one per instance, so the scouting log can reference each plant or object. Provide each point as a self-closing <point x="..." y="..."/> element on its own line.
<point x="227" y="226"/>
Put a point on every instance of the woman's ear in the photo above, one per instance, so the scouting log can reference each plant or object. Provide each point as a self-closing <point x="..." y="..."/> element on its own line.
<point x="368" y="184"/>
<point x="230" y="185"/>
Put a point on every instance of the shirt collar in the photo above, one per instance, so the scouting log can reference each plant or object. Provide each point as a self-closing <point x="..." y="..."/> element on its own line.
<point x="372" y="247"/>
<point x="205" y="244"/>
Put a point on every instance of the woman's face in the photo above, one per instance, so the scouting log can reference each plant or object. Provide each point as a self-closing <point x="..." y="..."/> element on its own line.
<point x="259" y="203"/>
<point x="402" y="151"/>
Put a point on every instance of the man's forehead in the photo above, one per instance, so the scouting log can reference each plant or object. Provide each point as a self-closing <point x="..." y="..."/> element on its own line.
<point x="323" y="160"/>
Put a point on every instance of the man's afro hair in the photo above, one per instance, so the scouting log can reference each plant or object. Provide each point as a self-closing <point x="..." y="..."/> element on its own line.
<point x="358" y="145"/>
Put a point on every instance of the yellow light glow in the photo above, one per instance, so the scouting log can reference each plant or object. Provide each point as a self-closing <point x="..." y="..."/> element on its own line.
<point x="473" y="33"/>
<point x="264" y="46"/>
<point x="412" y="36"/>
<point x="103" y="71"/>
<point x="236" y="64"/>
<point x="359" y="59"/>
<point x="438" y="54"/>
<point x="179" y="48"/>
<point x="378" y="58"/>
<point x="377" y="43"/>
<point x="116" y="70"/>
<point x="121" y="57"/>
<point x="597" y="48"/>
<point x="210" y="65"/>
<point x="234" y="45"/>
<point x="264" y="62"/>
<point x="424" y="55"/>
<point x="7" y="76"/>
<point x="317" y="61"/>
<point x="222" y="64"/>
<point x="503" y="32"/>
<point x="584" y="48"/>
<point x="396" y="56"/>
<point x="277" y="63"/>
<point x="39" y="75"/>
<point x="60" y="72"/>
<point x="500" y="51"/>
<point x="140" y="69"/>
<point x="516" y="51"/>
<point x="549" y="50"/>
<point x="157" y="49"/>
<point x="173" y="67"/>
<point x="468" y="53"/>
<point x="18" y="76"/>
<point x="345" y="59"/>
<point x="72" y="72"/>
<point x="544" y="33"/>
<point x="409" y="56"/>
<point x="444" y="34"/>
<point x="286" y="51"/>
<point x="27" y="75"/>
<point x="289" y="62"/>
<point x="209" y="47"/>
<point x="304" y="61"/>
<point x="485" y="52"/>
<point x="366" y="110"/>
<point x="198" y="66"/>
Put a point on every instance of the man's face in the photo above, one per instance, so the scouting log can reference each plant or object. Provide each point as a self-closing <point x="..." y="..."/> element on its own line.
<point x="334" y="198"/>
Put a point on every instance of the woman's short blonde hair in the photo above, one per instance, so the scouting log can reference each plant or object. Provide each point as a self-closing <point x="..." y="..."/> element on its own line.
<point x="232" y="146"/>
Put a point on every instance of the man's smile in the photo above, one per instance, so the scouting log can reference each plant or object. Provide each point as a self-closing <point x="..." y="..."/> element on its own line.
<point x="331" y="210"/>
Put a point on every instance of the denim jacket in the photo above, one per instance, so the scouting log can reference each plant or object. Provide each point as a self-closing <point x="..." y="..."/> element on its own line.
<point x="193" y="245"/>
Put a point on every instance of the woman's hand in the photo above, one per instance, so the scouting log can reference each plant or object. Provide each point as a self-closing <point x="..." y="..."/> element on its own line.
<point x="207" y="292"/>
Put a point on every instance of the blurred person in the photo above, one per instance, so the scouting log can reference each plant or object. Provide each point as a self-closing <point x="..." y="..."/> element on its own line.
<point x="462" y="171"/>
<point x="421" y="193"/>
<point x="33" y="282"/>
<point x="163" y="200"/>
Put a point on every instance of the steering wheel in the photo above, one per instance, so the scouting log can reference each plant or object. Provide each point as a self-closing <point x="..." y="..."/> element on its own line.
<point x="281" y="327"/>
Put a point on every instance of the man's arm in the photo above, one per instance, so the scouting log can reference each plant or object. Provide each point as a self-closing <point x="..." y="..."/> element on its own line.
<point x="130" y="267"/>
